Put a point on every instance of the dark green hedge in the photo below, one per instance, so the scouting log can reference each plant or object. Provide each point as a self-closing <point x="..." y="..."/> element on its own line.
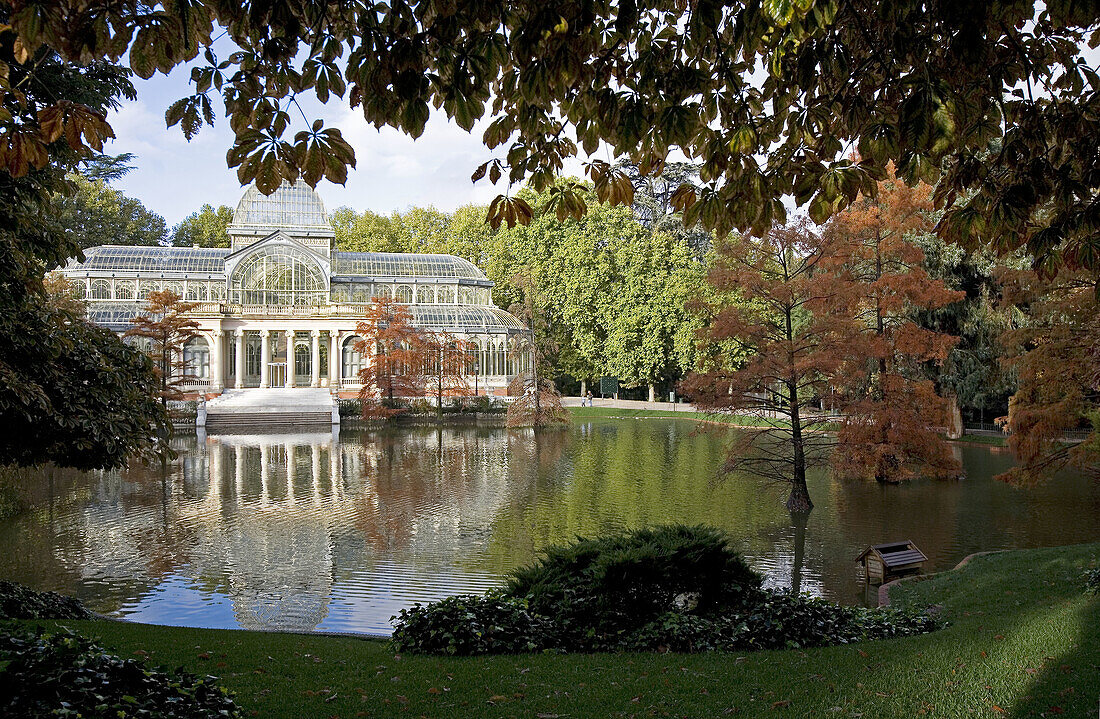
<point x="670" y="588"/>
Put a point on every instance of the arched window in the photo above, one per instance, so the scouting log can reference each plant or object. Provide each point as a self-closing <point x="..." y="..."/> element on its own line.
<point x="80" y="289"/>
<point x="196" y="358"/>
<point x="124" y="290"/>
<point x="217" y="291"/>
<point x="278" y="275"/>
<point x="359" y="296"/>
<point x="194" y="292"/>
<point x="446" y="294"/>
<point x="384" y="291"/>
<point x="467" y="294"/>
<point x="301" y="359"/>
<point x="404" y="294"/>
<point x="473" y="356"/>
<point x="340" y="295"/>
<point x="424" y="295"/>
<point x="101" y="290"/>
<point x="352" y="360"/>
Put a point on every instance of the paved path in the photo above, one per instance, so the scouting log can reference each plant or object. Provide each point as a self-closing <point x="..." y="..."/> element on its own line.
<point x="630" y="404"/>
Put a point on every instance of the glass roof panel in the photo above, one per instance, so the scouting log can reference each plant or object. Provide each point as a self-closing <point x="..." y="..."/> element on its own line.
<point x="464" y="318"/>
<point x="393" y="264"/>
<point x="296" y="205"/>
<point x="153" y="260"/>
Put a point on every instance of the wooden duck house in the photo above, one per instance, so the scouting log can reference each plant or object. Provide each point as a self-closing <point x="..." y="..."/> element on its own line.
<point x="881" y="562"/>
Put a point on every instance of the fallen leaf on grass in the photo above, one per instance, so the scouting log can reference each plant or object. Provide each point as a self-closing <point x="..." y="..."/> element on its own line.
<point x="998" y="709"/>
<point x="434" y="690"/>
<point x="779" y="705"/>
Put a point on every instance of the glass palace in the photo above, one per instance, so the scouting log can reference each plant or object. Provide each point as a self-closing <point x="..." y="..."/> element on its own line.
<point x="279" y="304"/>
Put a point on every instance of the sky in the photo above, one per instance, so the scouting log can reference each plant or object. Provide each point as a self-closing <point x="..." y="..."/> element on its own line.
<point x="174" y="178"/>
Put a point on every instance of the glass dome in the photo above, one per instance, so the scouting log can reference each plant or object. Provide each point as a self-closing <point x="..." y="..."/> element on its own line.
<point x="278" y="275"/>
<point x="296" y="205"/>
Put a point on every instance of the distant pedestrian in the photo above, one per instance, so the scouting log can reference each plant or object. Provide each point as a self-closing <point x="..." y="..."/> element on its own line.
<point x="589" y="398"/>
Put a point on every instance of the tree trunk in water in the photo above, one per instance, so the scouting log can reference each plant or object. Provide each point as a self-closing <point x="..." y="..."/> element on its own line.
<point x="799" y="500"/>
<point x="798" y="521"/>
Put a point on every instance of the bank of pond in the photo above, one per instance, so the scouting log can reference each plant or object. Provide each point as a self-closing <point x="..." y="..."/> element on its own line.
<point x="1020" y="637"/>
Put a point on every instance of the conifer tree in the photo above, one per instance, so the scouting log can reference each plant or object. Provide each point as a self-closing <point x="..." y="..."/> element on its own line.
<point x="892" y="416"/>
<point x="778" y="355"/>
<point x="393" y="354"/>
<point x="165" y="324"/>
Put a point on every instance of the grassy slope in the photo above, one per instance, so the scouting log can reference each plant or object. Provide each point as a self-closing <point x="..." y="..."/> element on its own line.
<point x="1024" y="640"/>
<point x="734" y="419"/>
<point x="583" y="412"/>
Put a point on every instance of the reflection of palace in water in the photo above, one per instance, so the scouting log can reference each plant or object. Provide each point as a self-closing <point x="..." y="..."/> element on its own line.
<point x="273" y="522"/>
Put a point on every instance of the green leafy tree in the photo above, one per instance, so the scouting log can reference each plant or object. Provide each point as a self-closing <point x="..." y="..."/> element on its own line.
<point x="97" y="214"/>
<point x="974" y="373"/>
<point x="70" y="393"/>
<point x="205" y="228"/>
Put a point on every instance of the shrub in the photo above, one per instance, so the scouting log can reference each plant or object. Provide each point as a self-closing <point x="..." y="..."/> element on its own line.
<point x="422" y="406"/>
<point x="350" y="408"/>
<point x="671" y="588"/>
<point x="600" y="590"/>
<point x="62" y="674"/>
<point x="1092" y="581"/>
<point x="19" y="602"/>
<point x="469" y="624"/>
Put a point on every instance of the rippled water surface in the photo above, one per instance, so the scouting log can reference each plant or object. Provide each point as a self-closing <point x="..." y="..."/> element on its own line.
<point x="338" y="532"/>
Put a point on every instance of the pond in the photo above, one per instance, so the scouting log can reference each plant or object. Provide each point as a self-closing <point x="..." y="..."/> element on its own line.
<point x="337" y="532"/>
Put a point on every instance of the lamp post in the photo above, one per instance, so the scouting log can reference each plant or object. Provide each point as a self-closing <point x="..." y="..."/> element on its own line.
<point x="477" y="369"/>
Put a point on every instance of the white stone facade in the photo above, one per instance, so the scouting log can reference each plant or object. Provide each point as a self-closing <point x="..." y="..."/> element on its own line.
<point x="279" y="308"/>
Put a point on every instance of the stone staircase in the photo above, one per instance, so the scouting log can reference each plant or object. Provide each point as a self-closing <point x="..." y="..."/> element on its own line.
<point x="267" y="409"/>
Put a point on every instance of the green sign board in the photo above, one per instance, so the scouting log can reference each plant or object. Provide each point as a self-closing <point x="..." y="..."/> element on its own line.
<point x="609" y="386"/>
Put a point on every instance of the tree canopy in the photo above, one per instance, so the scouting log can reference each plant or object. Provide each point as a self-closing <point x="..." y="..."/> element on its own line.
<point x="994" y="103"/>
<point x="94" y="213"/>
<point x="205" y="228"/>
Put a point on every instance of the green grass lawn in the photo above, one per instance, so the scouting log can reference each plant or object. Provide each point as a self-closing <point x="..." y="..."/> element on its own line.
<point x="736" y="419"/>
<point x="1023" y="640"/>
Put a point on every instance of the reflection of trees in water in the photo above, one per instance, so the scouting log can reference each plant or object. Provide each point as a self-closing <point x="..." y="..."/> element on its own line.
<point x="293" y="527"/>
<point x="625" y="474"/>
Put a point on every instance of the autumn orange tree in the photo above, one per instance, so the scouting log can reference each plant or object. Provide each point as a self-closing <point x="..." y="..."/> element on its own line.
<point x="892" y="417"/>
<point x="1055" y="355"/>
<point x="166" y="326"/>
<point x="779" y="354"/>
<point x="444" y="358"/>
<point x="393" y="353"/>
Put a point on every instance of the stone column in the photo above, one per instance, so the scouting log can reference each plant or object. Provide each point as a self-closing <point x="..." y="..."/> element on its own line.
<point x="289" y="359"/>
<point x="334" y="360"/>
<point x="239" y="359"/>
<point x="315" y="358"/>
<point x="217" y="366"/>
<point x="265" y="360"/>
